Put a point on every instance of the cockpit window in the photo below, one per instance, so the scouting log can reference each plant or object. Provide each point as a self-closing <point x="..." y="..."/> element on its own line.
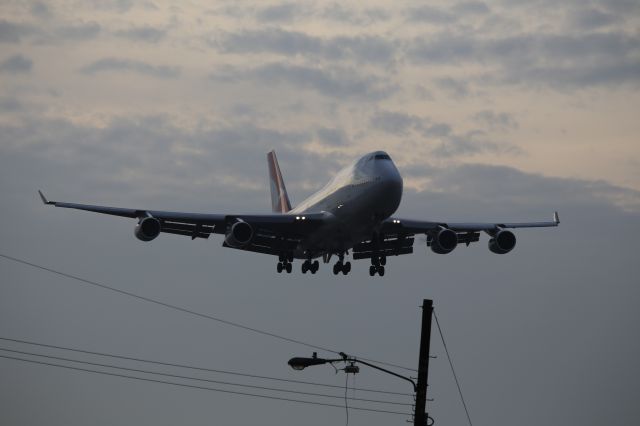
<point x="382" y="157"/>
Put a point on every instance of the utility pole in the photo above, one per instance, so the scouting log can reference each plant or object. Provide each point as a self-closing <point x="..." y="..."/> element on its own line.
<point x="420" y="417"/>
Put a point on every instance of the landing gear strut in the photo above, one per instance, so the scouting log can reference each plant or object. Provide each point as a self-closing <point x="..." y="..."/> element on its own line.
<point x="377" y="265"/>
<point x="341" y="266"/>
<point x="310" y="266"/>
<point x="284" y="263"/>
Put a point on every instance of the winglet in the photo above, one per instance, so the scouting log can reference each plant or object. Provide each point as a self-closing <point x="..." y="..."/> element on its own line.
<point x="44" y="199"/>
<point x="556" y="218"/>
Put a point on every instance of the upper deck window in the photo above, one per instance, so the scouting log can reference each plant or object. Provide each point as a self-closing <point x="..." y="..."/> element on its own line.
<point x="382" y="157"/>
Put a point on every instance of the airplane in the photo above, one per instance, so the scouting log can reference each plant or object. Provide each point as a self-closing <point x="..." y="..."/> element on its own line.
<point x="353" y="212"/>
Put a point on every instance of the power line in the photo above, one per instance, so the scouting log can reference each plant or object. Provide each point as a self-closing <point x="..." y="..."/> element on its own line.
<point x="177" y="376"/>
<point x="191" y="367"/>
<point x="452" y="369"/>
<point x="189" y="311"/>
<point x="300" y="401"/>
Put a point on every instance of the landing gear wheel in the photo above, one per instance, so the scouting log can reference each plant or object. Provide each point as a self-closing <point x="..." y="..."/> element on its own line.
<point x="381" y="271"/>
<point x="305" y="267"/>
<point x="372" y="270"/>
<point x="315" y="267"/>
<point x="346" y="268"/>
<point x="383" y="260"/>
<point x="336" y="268"/>
<point x="288" y="267"/>
<point x="279" y="267"/>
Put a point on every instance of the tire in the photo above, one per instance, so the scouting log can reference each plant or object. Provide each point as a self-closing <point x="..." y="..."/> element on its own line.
<point x="316" y="266"/>
<point x="381" y="271"/>
<point x="347" y="267"/>
<point x="279" y="267"/>
<point x="304" y="267"/>
<point x="383" y="260"/>
<point x="372" y="270"/>
<point x="336" y="269"/>
<point x="289" y="267"/>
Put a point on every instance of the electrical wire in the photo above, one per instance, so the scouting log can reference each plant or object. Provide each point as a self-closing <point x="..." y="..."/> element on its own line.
<point x="191" y="367"/>
<point x="300" y="401"/>
<point x="466" y="410"/>
<point x="189" y="311"/>
<point x="177" y="376"/>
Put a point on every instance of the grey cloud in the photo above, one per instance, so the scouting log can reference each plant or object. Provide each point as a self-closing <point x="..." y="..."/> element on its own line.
<point x="596" y="58"/>
<point x="396" y="123"/>
<point x="336" y="82"/>
<point x="430" y="14"/>
<point x="78" y="32"/>
<point x="129" y="65"/>
<point x="41" y="10"/>
<point x="496" y="120"/>
<point x="291" y="43"/>
<point x="119" y="6"/>
<point x="10" y="104"/>
<point x="16" y="64"/>
<point x="454" y="87"/>
<point x="11" y="32"/>
<point x="146" y="34"/>
<point x="589" y="19"/>
<point x="334" y="137"/>
<point x="471" y="8"/>
<point x="339" y="13"/>
<point x="284" y="12"/>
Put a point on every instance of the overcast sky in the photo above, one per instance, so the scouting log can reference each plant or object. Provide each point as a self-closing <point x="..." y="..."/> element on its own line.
<point x="497" y="110"/>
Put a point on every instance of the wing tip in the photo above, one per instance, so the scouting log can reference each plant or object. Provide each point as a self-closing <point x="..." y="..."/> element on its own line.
<point x="44" y="199"/>
<point x="556" y="218"/>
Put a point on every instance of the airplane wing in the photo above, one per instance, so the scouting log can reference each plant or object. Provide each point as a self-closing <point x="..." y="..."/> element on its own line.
<point x="409" y="226"/>
<point x="273" y="233"/>
<point x="396" y="236"/>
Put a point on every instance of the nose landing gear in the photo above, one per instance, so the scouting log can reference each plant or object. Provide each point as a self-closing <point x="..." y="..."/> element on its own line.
<point x="377" y="265"/>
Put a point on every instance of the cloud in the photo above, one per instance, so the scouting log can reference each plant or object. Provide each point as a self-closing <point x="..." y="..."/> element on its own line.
<point x="16" y="64"/>
<point x="285" y="12"/>
<point x="496" y="121"/>
<point x="371" y="49"/>
<point x="454" y="87"/>
<point x="130" y="65"/>
<point x="430" y="14"/>
<point x="41" y="10"/>
<point x="550" y="59"/>
<point x="145" y="34"/>
<point x="11" y="32"/>
<point x="333" y="137"/>
<point x="334" y="82"/>
<point x="590" y="19"/>
<point x="83" y="31"/>
<point x="10" y="104"/>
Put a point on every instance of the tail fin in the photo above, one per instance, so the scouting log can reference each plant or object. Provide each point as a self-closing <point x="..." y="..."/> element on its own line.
<point x="279" y="198"/>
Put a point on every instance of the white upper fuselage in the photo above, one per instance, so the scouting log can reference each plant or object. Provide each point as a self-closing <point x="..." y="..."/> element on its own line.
<point x="358" y="198"/>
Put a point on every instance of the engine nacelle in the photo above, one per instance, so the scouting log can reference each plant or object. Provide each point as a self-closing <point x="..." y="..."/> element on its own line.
<point x="240" y="234"/>
<point x="147" y="229"/>
<point x="502" y="242"/>
<point x="444" y="241"/>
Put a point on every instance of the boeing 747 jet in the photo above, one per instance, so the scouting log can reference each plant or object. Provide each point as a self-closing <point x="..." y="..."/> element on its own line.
<point x="352" y="213"/>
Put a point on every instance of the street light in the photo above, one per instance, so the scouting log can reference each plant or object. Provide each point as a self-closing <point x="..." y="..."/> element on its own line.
<point x="300" y="363"/>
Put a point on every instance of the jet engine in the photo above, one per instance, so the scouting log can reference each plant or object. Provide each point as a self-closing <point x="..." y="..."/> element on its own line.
<point x="502" y="242"/>
<point x="444" y="241"/>
<point x="240" y="234"/>
<point x="147" y="229"/>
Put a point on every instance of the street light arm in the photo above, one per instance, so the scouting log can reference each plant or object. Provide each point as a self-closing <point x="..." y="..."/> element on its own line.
<point x="415" y="387"/>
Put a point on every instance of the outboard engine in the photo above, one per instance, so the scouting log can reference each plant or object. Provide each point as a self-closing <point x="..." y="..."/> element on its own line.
<point x="444" y="241"/>
<point x="147" y="229"/>
<point x="240" y="234"/>
<point x="502" y="242"/>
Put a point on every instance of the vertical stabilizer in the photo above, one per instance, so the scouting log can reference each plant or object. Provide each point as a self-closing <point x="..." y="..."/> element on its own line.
<point x="279" y="198"/>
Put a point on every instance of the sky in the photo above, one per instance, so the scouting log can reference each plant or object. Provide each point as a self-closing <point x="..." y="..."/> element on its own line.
<point x="502" y="110"/>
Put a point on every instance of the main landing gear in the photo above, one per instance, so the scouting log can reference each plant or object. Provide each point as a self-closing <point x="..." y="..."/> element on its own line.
<point x="377" y="265"/>
<point x="310" y="266"/>
<point x="341" y="266"/>
<point x="284" y="263"/>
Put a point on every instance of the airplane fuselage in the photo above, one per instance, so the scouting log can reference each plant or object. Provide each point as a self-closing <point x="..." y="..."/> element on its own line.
<point x="357" y="200"/>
